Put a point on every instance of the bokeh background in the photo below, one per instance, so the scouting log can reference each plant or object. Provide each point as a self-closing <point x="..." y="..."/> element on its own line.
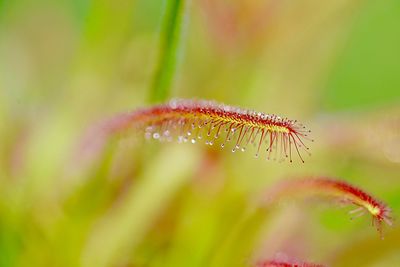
<point x="65" y="65"/>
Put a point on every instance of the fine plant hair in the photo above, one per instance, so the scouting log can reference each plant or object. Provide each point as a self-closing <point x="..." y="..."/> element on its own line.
<point x="195" y="120"/>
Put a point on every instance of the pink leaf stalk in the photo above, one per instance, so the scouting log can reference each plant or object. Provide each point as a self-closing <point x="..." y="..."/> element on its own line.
<point x="280" y="263"/>
<point x="335" y="188"/>
<point x="194" y="120"/>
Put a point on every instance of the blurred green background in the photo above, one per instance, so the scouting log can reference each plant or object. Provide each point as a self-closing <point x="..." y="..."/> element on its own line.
<point x="64" y="65"/>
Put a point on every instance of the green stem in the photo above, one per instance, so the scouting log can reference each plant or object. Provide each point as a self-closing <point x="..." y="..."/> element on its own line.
<point x="169" y="50"/>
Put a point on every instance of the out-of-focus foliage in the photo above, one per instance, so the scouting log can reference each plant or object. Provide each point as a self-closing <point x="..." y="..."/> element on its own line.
<point x="65" y="65"/>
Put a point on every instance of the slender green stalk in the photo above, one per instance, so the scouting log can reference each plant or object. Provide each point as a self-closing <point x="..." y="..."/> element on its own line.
<point x="169" y="50"/>
<point x="121" y="230"/>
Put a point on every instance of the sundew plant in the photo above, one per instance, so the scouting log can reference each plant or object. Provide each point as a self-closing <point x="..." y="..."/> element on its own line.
<point x="199" y="133"/>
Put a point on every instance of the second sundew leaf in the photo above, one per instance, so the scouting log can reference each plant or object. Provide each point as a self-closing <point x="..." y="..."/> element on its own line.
<point x="341" y="190"/>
